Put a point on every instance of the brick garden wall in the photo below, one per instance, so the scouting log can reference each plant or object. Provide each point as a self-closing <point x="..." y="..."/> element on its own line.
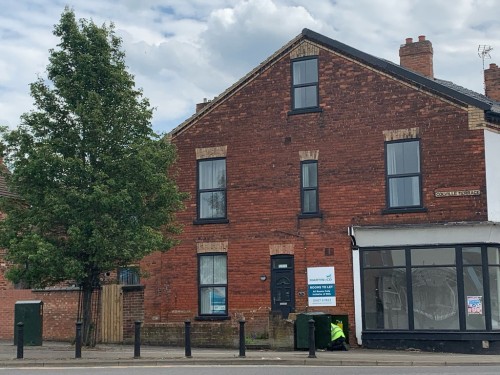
<point x="7" y="300"/>
<point x="60" y="311"/>
<point x="203" y="334"/>
<point x="133" y="310"/>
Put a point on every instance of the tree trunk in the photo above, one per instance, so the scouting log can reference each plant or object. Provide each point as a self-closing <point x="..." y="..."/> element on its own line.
<point x="87" y="321"/>
<point x="89" y="311"/>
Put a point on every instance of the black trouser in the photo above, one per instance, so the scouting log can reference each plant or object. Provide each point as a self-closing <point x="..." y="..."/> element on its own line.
<point x="337" y="344"/>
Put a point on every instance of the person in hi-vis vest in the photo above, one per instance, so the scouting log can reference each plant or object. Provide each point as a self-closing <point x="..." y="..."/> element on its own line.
<point x="337" y="338"/>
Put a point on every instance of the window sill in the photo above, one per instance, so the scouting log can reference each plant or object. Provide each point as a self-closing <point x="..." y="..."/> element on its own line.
<point x="404" y="210"/>
<point x="210" y="221"/>
<point x="212" y="317"/>
<point x="304" y="110"/>
<point x="132" y="288"/>
<point x="316" y="215"/>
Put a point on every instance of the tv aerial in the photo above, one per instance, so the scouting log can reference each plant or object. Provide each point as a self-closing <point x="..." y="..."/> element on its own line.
<point x="483" y="51"/>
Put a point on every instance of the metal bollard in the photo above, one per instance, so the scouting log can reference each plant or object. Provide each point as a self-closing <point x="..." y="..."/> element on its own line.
<point x="242" y="338"/>
<point x="78" y="340"/>
<point x="137" y="339"/>
<point x="187" y="339"/>
<point x="312" y="344"/>
<point x="20" y="340"/>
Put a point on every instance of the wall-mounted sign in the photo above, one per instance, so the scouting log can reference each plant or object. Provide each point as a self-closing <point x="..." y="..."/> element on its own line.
<point x="456" y="193"/>
<point x="321" y="286"/>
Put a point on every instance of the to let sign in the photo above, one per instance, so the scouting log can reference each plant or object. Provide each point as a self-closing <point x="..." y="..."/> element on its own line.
<point x="321" y="286"/>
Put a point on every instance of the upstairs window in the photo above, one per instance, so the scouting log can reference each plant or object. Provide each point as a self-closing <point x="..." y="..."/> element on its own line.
<point x="403" y="179"/>
<point x="305" y="83"/>
<point x="309" y="187"/>
<point x="213" y="284"/>
<point x="212" y="189"/>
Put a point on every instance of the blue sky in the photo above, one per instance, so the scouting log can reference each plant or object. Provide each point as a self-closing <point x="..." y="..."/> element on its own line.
<point x="182" y="51"/>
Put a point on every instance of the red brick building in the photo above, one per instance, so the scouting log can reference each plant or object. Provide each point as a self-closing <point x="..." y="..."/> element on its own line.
<point x="326" y="180"/>
<point x="326" y="161"/>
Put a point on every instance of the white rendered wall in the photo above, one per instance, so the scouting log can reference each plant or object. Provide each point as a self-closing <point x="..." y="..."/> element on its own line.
<point x="356" y="275"/>
<point x="492" y="158"/>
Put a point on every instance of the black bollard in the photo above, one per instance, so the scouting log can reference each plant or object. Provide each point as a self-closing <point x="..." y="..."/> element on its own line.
<point x="312" y="344"/>
<point x="242" y="338"/>
<point x="137" y="339"/>
<point x="187" y="338"/>
<point x="20" y="340"/>
<point x="78" y="340"/>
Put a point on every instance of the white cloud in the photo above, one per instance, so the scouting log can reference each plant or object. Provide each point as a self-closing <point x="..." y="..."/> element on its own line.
<point x="182" y="51"/>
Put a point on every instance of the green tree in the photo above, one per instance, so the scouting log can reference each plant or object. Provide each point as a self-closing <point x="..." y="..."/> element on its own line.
<point x="91" y="177"/>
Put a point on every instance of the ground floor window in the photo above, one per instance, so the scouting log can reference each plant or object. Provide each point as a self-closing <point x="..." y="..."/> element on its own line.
<point x="454" y="288"/>
<point x="212" y="284"/>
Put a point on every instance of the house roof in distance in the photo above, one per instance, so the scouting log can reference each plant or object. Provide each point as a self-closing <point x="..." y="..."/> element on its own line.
<point x="4" y="191"/>
<point x="440" y="87"/>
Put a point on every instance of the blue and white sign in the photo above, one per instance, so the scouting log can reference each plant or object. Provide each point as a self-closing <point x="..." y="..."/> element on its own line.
<point x="321" y="286"/>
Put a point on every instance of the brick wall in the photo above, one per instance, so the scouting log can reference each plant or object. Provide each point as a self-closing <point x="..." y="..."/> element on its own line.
<point x="281" y="333"/>
<point x="133" y="310"/>
<point x="264" y="144"/>
<point x="60" y="309"/>
<point x="492" y="82"/>
<point x="203" y="334"/>
<point x="59" y="312"/>
<point x="418" y="56"/>
<point x="8" y="299"/>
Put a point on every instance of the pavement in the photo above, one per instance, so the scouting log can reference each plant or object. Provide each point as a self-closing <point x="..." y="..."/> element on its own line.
<point x="61" y="354"/>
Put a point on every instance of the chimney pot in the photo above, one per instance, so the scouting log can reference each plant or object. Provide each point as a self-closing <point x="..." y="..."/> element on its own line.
<point x="417" y="56"/>
<point x="493" y="65"/>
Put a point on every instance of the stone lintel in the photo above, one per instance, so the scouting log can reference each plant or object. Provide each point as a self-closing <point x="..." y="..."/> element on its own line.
<point x="212" y="247"/>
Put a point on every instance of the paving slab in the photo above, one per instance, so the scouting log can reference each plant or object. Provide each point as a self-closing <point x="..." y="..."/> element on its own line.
<point x="59" y="354"/>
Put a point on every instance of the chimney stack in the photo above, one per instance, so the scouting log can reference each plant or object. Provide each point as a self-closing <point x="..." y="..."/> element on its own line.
<point x="492" y="82"/>
<point x="417" y="56"/>
<point x="200" y="106"/>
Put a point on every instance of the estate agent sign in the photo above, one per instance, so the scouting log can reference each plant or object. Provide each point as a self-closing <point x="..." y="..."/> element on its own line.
<point x="321" y="286"/>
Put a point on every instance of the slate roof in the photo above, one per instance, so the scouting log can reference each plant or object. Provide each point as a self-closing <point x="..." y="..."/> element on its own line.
<point x="4" y="191"/>
<point x="443" y="88"/>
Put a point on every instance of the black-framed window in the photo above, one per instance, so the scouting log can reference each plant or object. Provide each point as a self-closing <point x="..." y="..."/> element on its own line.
<point x="309" y="187"/>
<point x="493" y="275"/>
<point x="440" y="288"/>
<point x="403" y="175"/>
<point x="211" y="189"/>
<point x="305" y="83"/>
<point x="129" y="275"/>
<point x="212" y="276"/>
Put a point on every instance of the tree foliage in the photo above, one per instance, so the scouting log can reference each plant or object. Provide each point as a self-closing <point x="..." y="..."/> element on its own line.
<point x="90" y="175"/>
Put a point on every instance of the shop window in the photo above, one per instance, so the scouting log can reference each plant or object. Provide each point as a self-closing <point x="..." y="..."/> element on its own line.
<point x="494" y="283"/>
<point x="213" y="284"/>
<point x="385" y="299"/>
<point x="431" y="289"/>
<point x="435" y="298"/>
